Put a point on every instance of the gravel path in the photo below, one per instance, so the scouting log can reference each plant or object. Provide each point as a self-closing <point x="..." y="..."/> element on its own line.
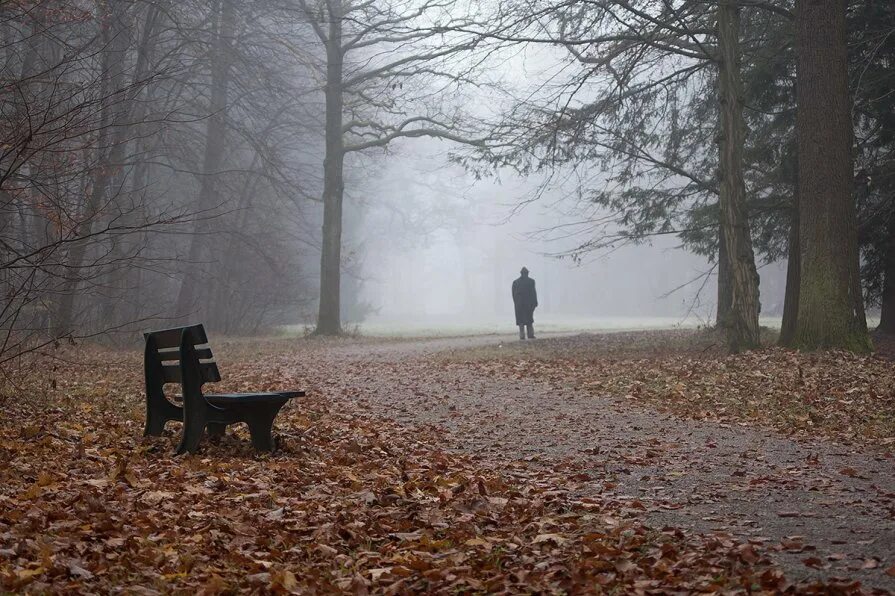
<point x="824" y="509"/>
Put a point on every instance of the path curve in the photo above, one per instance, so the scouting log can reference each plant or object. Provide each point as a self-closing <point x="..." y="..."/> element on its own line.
<point x="827" y="509"/>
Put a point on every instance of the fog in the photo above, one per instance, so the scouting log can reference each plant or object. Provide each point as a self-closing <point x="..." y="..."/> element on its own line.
<point x="230" y="163"/>
<point x="441" y="249"/>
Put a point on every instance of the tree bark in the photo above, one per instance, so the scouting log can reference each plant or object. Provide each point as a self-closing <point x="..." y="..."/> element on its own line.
<point x="725" y="290"/>
<point x="742" y="323"/>
<point x="329" y="312"/>
<point x="831" y="307"/>
<point x="887" y="312"/>
<point x="215" y="138"/>
<point x="793" y="268"/>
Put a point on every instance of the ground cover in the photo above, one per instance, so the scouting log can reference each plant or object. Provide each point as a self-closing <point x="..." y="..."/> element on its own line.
<point x="352" y="502"/>
<point x="686" y="372"/>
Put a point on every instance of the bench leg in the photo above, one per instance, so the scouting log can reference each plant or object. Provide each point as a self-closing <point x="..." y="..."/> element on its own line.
<point x="194" y="423"/>
<point x="155" y="426"/>
<point x="216" y="429"/>
<point x="158" y="412"/>
<point x="260" y="424"/>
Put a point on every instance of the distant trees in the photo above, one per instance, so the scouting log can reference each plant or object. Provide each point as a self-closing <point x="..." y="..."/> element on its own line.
<point x="64" y="99"/>
<point x="871" y="40"/>
<point x="164" y="159"/>
<point x="656" y="84"/>
<point x="105" y="112"/>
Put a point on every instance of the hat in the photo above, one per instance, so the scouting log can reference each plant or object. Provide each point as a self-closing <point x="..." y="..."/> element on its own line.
<point x="524" y="270"/>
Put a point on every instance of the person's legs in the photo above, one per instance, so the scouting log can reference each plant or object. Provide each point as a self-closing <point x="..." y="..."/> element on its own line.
<point x="531" y="331"/>
<point x="521" y="331"/>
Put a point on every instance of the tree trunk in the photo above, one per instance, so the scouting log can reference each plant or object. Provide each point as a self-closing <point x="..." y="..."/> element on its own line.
<point x="725" y="289"/>
<point x="215" y="137"/>
<point x="793" y="268"/>
<point x="831" y="308"/>
<point x="742" y="324"/>
<point x="887" y="313"/>
<point x="219" y="311"/>
<point x="124" y="275"/>
<point x="329" y="313"/>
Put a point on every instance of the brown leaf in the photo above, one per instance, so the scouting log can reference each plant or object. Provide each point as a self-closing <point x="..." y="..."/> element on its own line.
<point x="555" y="538"/>
<point x="813" y="562"/>
<point x="76" y="570"/>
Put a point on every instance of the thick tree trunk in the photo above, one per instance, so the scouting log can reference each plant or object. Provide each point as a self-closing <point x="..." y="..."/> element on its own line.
<point x="191" y="286"/>
<point x="329" y="314"/>
<point x="831" y="308"/>
<point x="887" y="313"/>
<point x="742" y="323"/>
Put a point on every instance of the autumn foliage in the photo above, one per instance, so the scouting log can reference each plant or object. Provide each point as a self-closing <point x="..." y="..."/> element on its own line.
<point x="349" y="503"/>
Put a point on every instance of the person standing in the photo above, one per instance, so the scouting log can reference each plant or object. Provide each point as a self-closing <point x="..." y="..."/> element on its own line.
<point x="525" y="298"/>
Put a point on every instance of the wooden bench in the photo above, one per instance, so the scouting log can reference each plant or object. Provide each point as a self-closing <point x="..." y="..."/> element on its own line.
<point x="182" y="355"/>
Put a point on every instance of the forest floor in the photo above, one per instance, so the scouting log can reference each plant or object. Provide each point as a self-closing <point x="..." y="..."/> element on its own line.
<point x="623" y="462"/>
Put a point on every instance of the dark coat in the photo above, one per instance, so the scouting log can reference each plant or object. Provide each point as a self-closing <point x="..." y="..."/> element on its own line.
<point x="525" y="297"/>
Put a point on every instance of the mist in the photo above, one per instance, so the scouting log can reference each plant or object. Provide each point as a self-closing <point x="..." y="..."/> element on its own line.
<point x="447" y="296"/>
<point x="255" y="177"/>
<point x="440" y="250"/>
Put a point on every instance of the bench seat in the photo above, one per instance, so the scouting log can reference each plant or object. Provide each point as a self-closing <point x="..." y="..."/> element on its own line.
<point x="226" y="399"/>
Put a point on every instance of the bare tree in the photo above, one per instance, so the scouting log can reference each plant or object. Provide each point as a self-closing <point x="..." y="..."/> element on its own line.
<point x="104" y="115"/>
<point x="383" y="66"/>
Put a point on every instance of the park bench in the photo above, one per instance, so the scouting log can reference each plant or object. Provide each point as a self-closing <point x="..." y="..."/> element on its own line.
<point x="182" y="355"/>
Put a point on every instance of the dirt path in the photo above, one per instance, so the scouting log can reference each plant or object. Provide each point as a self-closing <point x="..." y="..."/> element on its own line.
<point x="825" y="509"/>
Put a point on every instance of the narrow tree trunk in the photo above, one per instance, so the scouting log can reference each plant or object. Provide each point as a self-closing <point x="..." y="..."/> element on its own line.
<point x="215" y="136"/>
<point x="219" y="311"/>
<point x="831" y="308"/>
<point x="793" y="268"/>
<point x="887" y="313"/>
<point x="124" y="275"/>
<point x="329" y="314"/>
<point x="725" y="288"/>
<point x="742" y="324"/>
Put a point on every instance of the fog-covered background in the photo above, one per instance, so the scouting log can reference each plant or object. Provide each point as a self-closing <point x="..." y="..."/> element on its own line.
<point x="392" y="164"/>
<point x="437" y="250"/>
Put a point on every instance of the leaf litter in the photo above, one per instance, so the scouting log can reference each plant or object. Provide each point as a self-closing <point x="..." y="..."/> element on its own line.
<point x="351" y="502"/>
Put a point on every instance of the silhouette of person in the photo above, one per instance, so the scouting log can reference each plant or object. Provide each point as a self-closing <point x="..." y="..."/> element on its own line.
<point x="525" y="298"/>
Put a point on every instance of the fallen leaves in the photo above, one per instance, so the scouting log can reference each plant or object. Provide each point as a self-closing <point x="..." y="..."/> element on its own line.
<point x="836" y="394"/>
<point x="351" y="503"/>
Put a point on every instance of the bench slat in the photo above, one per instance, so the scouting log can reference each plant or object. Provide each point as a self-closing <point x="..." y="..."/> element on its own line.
<point x="170" y="338"/>
<point x="209" y="371"/>
<point x="230" y="399"/>
<point x="173" y="355"/>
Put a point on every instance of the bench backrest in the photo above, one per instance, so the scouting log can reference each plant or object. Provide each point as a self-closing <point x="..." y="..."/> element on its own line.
<point x="179" y="355"/>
